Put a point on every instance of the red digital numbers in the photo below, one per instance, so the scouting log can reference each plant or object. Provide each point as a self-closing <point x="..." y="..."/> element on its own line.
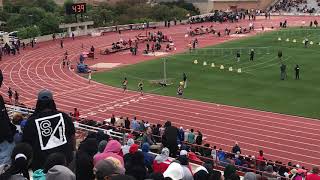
<point x="79" y="8"/>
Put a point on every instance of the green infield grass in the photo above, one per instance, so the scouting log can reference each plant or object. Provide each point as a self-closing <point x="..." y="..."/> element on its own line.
<point x="258" y="86"/>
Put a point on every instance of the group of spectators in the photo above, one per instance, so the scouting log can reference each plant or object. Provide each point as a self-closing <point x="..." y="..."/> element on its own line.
<point x="225" y="16"/>
<point x="299" y="6"/>
<point x="43" y="146"/>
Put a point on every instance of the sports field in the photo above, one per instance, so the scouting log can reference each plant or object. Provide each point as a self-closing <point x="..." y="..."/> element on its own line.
<point x="258" y="86"/>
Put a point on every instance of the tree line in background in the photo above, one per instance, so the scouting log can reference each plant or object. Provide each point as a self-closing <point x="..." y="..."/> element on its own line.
<point x="40" y="17"/>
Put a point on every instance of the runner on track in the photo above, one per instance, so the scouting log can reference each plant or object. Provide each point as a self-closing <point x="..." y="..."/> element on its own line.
<point x="124" y="84"/>
<point x="140" y="86"/>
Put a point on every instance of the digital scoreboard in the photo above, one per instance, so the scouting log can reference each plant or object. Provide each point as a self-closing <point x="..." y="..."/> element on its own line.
<point x="77" y="8"/>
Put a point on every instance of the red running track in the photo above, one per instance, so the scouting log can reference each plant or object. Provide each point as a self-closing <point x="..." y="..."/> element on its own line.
<point x="282" y="137"/>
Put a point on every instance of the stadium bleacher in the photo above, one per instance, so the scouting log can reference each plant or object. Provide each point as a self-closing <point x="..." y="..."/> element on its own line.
<point x="198" y="154"/>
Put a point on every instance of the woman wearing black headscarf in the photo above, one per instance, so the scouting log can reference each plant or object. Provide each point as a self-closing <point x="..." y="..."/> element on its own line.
<point x="7" y="131"/>
<point x="84" y="159"/>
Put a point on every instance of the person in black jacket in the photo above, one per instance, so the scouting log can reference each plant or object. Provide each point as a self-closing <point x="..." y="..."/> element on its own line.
<point x="49" y="131"/>
<point x="170" y="138"/>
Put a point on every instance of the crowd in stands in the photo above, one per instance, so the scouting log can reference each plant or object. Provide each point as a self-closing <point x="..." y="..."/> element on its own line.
<point x="43" y="146"/>
<point x="225" y="16"/>
<point x="292" y="6"/>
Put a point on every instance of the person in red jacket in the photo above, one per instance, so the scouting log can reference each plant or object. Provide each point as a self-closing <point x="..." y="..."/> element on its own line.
<point x="314" y="175"/>
<point x="162" y="161"/>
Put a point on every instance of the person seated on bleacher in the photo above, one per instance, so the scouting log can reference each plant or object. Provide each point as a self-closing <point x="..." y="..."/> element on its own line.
<point x="113" y="149"/>
<point x="162" y="161"/>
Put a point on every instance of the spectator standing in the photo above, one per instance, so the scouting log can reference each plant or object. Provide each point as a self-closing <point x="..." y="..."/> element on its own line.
<point x="84" y="159"/>
<point x="199" y="139"/>
<point x="49" y="131"/>
<point x="170" y="138"/>
<point x="191" y="136"/>
<point x="76" y="114"/>
<point x="135" y="124"/>
<point x="236" y="148"/>
<point x="127" y="123"/>
<point x="181" y="134"/>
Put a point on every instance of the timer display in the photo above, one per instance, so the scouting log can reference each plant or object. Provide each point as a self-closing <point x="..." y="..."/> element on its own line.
<point x="77" y="8"/>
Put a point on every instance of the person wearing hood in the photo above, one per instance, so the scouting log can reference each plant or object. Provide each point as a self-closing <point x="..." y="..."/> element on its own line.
<point x="148" y="158"/>
<point x="112" y="149"/>
<point x="59" y="172"/>
<point x="84" y="159"/>
<point x="49" y="131"/>
<point x="125" y="148"/>
<point x="181" y="134"/>
<point x="21" y="159"/>
<point x="136" y="168"/>
<point x="7" y="132"/>
<point x="174" y="171"/>
<point x="162" y="161"/>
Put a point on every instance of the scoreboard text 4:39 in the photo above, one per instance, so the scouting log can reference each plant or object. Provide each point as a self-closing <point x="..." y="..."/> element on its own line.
<point x="77" y="8"/>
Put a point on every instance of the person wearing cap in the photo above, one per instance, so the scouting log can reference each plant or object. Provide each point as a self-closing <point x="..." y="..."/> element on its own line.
<point x="49" y="131"/>
<point x="314" y="174"/>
